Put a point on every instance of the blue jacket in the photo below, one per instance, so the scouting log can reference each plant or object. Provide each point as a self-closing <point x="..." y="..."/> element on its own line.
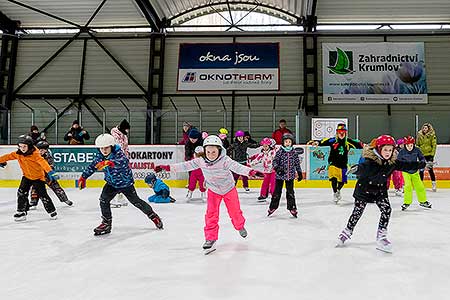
<point x="162" y="192"/>
<point x="286" y="163"/>
<point x="414" y="155"/>
<point x="119" y="176"/>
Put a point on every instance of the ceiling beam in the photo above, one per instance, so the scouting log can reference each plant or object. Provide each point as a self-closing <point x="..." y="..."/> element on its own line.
<point x="150" y="14"/>
<point x="7" y="25"/>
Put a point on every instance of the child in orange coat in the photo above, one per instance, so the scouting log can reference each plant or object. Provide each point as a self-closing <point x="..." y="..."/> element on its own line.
<point x="34" y="167"/>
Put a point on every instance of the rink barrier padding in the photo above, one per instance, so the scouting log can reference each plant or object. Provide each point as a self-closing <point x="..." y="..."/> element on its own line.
<point x="96" y="183"/>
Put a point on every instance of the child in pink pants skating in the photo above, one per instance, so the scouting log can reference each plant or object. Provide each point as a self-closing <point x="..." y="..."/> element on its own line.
<point x="217" y="168"/>
<point x="266" y="157"/>
<point x="197" y="176"/>
<point x="397" y="176"/>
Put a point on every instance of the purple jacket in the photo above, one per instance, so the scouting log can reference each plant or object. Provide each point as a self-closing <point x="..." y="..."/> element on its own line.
<point x="286" y="163"/>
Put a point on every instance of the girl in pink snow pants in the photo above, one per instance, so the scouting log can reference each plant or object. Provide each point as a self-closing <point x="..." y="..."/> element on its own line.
<point x="217" y="168"/>
<point x="196" y="176"/>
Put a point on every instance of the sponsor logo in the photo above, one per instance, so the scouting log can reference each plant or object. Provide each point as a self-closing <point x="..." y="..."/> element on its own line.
<point x="190" y="77"/>
<point x="340" y="62"/>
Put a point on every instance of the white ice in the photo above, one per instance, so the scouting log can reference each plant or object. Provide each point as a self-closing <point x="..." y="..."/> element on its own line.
<point x="282" y="258"/>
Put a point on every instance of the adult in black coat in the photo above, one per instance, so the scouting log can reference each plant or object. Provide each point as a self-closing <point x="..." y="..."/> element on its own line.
<point x="77" y="134"/>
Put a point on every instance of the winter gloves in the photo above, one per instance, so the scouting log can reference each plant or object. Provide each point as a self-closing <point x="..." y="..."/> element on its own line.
<point x="2" y="165"/>
<point x="81" y="182"/>
<point x="255" y="173"/>
<point x="52" y="176"/>
<point x="162" y="167"/>
<point x="353" y="169"/>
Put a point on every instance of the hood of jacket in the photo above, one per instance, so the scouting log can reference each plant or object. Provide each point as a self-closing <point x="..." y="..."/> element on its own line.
<point x="430" y="132"/>
<point x="372" y="153"/>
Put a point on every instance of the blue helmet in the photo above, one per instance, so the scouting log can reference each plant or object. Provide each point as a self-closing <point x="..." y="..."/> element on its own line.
<point x="150" y="178"/>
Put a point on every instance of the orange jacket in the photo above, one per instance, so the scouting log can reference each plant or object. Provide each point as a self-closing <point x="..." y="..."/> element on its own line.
<point x="33" y="166"/>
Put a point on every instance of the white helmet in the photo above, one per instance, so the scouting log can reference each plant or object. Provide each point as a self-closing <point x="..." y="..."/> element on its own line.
<point x="212" y="140"/>
<point x="199" y="149"/>
<point x="105" y="140"/>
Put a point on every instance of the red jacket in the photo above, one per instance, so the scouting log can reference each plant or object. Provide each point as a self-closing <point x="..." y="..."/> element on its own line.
<point x="278" y="134"/>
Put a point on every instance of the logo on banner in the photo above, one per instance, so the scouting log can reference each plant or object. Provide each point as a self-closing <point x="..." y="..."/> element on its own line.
<point x="340" y="62"/>
<point x="189" y="77"/>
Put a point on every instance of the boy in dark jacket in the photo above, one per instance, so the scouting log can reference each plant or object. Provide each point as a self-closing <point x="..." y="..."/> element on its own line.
<point x="119" y="179"/>
<point x="239" y="150"/>
<point x="43" y="147"/>
<point x="377" y="164"/>
<point x="412" y="177"/>
<point x="286" y="163"/>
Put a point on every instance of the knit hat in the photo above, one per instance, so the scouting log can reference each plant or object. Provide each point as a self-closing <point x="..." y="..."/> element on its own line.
<point x="34" y="127"/>
<point x="124" y="125"/>
<point x="194" y="133"/>
<point x="76" y="122"/>
<point x="187" y="124"/>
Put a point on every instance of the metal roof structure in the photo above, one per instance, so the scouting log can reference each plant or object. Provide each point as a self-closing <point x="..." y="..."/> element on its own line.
<point x="158" y="14"/>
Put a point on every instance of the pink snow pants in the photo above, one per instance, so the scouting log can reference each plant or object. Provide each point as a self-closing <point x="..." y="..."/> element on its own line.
<point x="196" y="175"/>
<point x="398" y="180"/>
<point x="231" y="200"/>
<point x="268" y="184"/>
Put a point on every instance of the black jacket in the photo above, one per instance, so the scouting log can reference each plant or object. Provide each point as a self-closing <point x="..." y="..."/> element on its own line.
<point x="240" y="150"/>
<point x="77" y="136"/>
<point x="414" y="155"/>
<point x="189" y="148"/>
<point x="339" y="150"/>
<point x="373" y="172"/>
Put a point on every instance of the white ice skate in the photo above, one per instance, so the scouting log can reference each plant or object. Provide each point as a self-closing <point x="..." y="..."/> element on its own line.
<point x="209" y="246"/>
<point x="383" y="244"/>
<point x="343" y="237"/>
<point x="20" y="216"/>
<point x="337" y="197"/>
<point x="189" y="196"/>
<point x="203" y="196"/>
<point x="433" y="186"/>
<point x="398" y="193"/>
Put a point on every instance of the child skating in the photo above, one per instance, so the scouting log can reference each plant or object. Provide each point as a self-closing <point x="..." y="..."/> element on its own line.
<point x="338" y="158"/>
<point x="412" y="177"/>
<point x="162" y="191"/>
<point x="217" y="168"/>
<point x="239" y="150"/>
<point x="286" y="163"/>
<point x="397" y="176"/>
<point x="119" y="179"/>
<point x="43" y="147"/>
<point x="35" y="169"/>
<point x="196" y="176"/>
<point x="266" y="157"/>
<point x="377" y="163"/>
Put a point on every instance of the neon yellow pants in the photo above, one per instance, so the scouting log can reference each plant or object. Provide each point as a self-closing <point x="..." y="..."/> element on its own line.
<point x="412" y="181"/>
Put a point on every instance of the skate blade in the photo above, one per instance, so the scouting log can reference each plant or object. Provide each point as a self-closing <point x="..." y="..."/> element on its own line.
<point x="208" y="251"/>
<point x="101" y="233"/>
<point x="116" y="205"/>
<point x="384" y="250"/>
<point x="34" y="207"/>
<point x="20" y="219"/>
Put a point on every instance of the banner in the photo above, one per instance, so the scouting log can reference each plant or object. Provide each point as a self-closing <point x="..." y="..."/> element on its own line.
<point x="374" y="73"/>
<point x="228" y="66"/>
<point x="325" y="128"/>
<point x="318" y="160"/>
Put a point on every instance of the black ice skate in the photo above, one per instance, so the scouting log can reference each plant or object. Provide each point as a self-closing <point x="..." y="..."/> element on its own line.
<point x="262" y="199"/>
<point x="209" y="246"/>
<point x="405" y="206"/>
<point x="294" y="212"/>
<point x="271" y="211"/>
<point x="156" y="219"/>
<point x="104" y="227"/>
<point x="243" y="232"/>
<point x="68" y="202"/>
<point x="20" y="216"/>
<point x="53" y="215"/>
<point x="425" y="204"/>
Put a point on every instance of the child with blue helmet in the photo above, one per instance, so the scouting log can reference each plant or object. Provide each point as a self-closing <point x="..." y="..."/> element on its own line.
<point x="162" y="191"/>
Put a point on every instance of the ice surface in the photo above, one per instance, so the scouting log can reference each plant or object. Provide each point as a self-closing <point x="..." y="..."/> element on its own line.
<point x="282" y="258"/>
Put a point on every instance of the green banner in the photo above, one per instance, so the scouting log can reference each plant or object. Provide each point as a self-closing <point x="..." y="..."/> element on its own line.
<point x="73" y="159"/>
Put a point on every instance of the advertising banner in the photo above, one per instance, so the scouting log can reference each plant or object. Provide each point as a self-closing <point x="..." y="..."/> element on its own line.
<point x="318" y="161"/>
<point x="228" y="66"/>
<point x="374" y="73"/>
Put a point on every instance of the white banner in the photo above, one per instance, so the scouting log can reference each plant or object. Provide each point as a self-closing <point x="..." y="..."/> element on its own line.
<point x="374" y="73"/>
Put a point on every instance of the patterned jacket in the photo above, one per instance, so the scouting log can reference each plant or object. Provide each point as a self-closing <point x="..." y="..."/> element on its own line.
<point x="121" y="139"/>
<point x="218" y="176"/>
<point x="266" y="157"/>
<point x="118" y="176"/>
<point x="286" y="164"/>
<point x="339" y="150"/>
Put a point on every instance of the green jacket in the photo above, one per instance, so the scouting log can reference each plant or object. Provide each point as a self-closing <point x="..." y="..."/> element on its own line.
<point x="427" y="142"/>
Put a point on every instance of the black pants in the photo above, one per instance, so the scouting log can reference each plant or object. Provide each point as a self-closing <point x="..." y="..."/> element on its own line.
<point x="24" y="189"/>
<point x="109" y="192"/>
<point x="382" y="203"/>
<point x="290" y="195"/>
<point x="56" y="188"/>
<point x="335" y="185"/>
<point x="430" y="170"/>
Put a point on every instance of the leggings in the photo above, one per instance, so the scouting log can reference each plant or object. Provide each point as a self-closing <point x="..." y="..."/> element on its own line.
<point x="382" y="203"/>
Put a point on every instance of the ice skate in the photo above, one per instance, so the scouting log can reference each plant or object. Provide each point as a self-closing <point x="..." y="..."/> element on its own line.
<point x="68" y="202"/>
<point x="262" y="199"/>
<point x="343" y="237"/>
<point x="336" y="197"/>
<point x="53" y="215"/>
<point x="33" y="203"/>
<point x="156" y="219"/>
<point x="398" y="193"/>
<point x="115" y="203"/>
<point x="425" y="204"/>
<point x="32" y="207"/>
<point x="203" y="196"/>
<point x="383" y="244"/>
<point x="20" y="216"/>
<point x="243" y="232"/>
<point x="405" y="206"/>
<point x="247" y="189"/>
<point x="104" y="227"/>
<point x="172" y="199"/>
<point x="189" y="196"/>
<point x="433" y="186"/>
<point x="294" y="212"/>
<point x="209" y="246"/>
<point x="121" y="199"/>
<point x="270" y="211"/>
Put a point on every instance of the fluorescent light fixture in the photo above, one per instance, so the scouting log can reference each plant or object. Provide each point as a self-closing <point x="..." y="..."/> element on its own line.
<point x="347" y="27"/>
<point x="416" y="26"/>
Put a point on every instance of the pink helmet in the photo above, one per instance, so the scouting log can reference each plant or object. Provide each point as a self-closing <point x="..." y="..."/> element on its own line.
<point x="265" y="141"/>
<point x="239" y="133"/>
<point x="400" y="141"/>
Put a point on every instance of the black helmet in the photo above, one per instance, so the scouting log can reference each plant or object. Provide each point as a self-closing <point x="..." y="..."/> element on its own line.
<point x="150" y="178"/>
<point x="42" y="145"/>
<point x="288" y="136"/>
<point x="25" y="139"/>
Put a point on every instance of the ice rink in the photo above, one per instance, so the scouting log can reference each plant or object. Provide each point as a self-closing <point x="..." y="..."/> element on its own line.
<point x="282" y="258"/>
